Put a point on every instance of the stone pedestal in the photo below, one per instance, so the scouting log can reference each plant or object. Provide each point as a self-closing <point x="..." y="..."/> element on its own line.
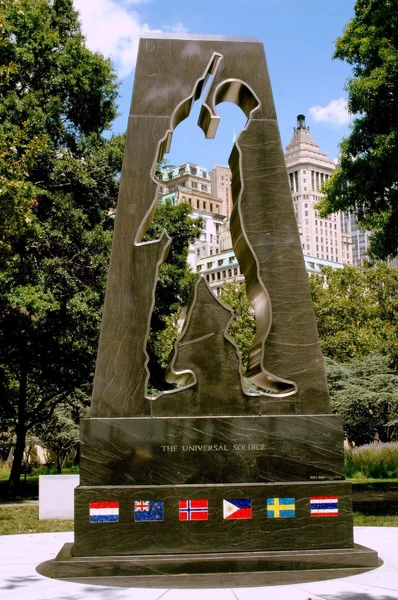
<point x="155" y="496"/>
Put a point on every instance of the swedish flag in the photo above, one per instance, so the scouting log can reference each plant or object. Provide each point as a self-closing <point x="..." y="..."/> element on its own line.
<point x="281" y="507"/>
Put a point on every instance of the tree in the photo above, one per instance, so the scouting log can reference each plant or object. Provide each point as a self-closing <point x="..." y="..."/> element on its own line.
<point x="58" y="180"/>
<point x="175" y="284"/>
<point x="367" y="180"/>
<point x="365" y="394"/>
<point x="60" y="433"/>
<point x="357" y="311"/>
<point x="242" y="328"/>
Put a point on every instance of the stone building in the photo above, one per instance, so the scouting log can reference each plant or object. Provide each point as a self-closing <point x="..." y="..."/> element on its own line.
<point x="192" y="183"/>
<point x="308" y="168"/>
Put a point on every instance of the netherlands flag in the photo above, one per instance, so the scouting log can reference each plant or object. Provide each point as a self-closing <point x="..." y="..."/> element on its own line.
<point x="105" y="512"/>
<point x="193" y="510"/>
<point x="324" y="506"/>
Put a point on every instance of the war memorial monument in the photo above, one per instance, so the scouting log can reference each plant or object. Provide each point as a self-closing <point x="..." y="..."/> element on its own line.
<point x="206" y="484"/>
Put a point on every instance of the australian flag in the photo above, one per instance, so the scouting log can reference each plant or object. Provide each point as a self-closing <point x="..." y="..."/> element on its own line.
<point x="148" y="510"/>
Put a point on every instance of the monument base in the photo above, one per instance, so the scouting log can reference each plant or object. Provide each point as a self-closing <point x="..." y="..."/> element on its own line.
<point x="210" y="570"/>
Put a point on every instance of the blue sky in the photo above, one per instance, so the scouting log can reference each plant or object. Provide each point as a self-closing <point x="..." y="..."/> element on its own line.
<point x="298" y="37"/>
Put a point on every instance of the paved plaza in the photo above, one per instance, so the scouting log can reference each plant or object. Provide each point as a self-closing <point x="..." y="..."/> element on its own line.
<point x="19" y="555"/>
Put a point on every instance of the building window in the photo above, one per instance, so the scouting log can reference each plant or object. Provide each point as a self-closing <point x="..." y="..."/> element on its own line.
<point x="235" y="271"/>
<point x="220" y="262"/>
<point x="229" y="272"/>
<point x="291" y="182"/>
<point x="209" y="265"/>
<point x="208" y="277"/>
<point x="197" y="204"/>
<point x="211" y="207"/>
<point x="194" y="185"/>
<point x="296" y="180"/>
<point x="218" y="275"/>
<point x="199" y="268"/>
<point x="204" y="205"/>
<point x="213" y="277"/>
<point x="224" y="274"/>
<point x="204" y="188"/>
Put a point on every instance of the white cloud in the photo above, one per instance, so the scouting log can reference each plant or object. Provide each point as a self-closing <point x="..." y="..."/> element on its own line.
<point x="112" y="29"/>
<point x="177" y="28"/>
<point x="336" y="112"/>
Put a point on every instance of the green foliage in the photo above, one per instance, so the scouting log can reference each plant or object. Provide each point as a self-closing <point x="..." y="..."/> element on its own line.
<point x="378" y="461"/>
<point x="242" y="329"/>
<point x="365" y="394"/>
<point x="357" y="311"/>
<point x="175" y="284"/>
<point x="60" y="433"/>
<point x="58" y="181"/>
<point x="367" y="180"/>
<point x="25" y="519"/>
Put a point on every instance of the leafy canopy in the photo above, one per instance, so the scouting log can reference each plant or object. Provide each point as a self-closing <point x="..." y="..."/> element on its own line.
<point x="365" y="394"/>
<point x="175" y="284"/>
<point x="58" y="182"/>
<point x="357" y="311"/>
<point x="367" y="180"/>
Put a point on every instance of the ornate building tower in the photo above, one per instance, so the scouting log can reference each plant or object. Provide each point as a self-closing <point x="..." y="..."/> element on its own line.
<point x="308" y="168"/>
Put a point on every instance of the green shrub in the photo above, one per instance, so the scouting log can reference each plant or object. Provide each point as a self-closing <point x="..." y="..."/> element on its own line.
<point x="376" y="461"/>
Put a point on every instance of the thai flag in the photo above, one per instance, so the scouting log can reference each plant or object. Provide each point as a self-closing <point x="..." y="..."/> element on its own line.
<point x="105" y="512"/>
<point x="239" y="508"/>
<point x="193" y="510"/>
<point x="324" y="506"/>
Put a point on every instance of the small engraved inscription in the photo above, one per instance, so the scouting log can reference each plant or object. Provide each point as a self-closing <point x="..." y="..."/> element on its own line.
<point x="213" y="448"/>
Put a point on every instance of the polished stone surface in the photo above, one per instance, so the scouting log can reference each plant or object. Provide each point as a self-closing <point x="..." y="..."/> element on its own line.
<point x="286" y="357"/>
<point x="19" y="555"/>
<point x="268" y="528"/>
<point x="165" y="451"/>
<point x="271" y="568"/>
<point x="136" y="448"/>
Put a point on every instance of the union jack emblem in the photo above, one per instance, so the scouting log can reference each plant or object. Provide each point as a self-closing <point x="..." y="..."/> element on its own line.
<point x="141" y="505"/>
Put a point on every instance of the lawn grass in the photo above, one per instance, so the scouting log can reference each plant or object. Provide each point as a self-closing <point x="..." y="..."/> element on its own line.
<point x="361" y="520"/>
<point x="25" y="519"/>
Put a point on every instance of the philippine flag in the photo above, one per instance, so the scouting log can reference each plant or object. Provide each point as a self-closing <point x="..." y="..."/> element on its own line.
<point x="193" y="510"/>
<point x="148" y="510"/>
<point x="238" y="508"/>
<point x="324" y="506"/>
<point x="105" y="512"/>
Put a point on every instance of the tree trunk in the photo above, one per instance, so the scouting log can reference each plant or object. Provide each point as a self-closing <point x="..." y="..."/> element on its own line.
<point x="20" y="430"/>
<point x="15" y="474"/>
<point x="59" y="464"/>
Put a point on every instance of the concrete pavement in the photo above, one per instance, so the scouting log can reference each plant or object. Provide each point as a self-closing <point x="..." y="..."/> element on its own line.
<point x="19" y="555"/>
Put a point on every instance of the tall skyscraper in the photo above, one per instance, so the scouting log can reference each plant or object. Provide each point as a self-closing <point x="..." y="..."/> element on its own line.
<point x="308" y="168"/>
<point x="221" y="187"/>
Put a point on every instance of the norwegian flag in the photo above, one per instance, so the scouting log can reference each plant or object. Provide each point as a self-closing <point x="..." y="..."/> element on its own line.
<point x="193" y="510"/>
